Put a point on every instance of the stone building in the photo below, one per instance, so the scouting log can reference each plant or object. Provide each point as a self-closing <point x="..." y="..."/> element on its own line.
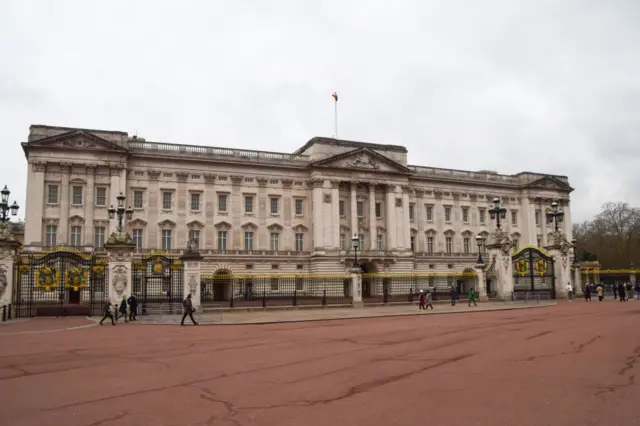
<point x="265" y="212"/>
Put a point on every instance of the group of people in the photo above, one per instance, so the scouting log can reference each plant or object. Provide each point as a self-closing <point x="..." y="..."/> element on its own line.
<point x="130" y="305"/>
<point x="424" y="300"/>
<point x="111" y="310"/>
<point x="621" y="291"/>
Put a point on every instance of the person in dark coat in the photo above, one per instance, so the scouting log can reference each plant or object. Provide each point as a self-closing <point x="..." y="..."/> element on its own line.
<point x="621" y="292"/>
<point x="188" y="310"/>
<point x="453" y="296"/>
<point x="629" y="289"/>
<point x="123" y="309"/>
<point x="614" y="287"/>
<point x="133" y="307"/>
<point x="587" y="294"/>
<point x="108" y="313"/>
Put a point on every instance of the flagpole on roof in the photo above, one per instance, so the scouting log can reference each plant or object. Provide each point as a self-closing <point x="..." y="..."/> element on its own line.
<point x="334" y="95"/>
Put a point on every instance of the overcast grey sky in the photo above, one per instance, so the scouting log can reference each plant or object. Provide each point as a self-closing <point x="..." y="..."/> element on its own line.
<point x="507" y="85"/>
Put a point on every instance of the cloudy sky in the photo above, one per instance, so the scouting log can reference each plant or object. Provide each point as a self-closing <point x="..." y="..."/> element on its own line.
<point x="507" y="85"/>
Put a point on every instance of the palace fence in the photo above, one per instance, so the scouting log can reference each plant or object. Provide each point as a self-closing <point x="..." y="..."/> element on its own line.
<point x="327" y="290"/>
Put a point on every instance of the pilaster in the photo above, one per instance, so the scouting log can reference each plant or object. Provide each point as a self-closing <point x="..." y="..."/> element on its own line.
<point x="356" y="287"/>
<point x="34" y="208"/>
<point x="89" y="205"/>
<point x="354" y="209"/>
<point x="192" y="260"/>
<point x="318" y="208"/>
<point x="481" y="285"/>
<point x="390" y="206"/>
<point x="372" y="217"/>
<point x="63" y="224"/>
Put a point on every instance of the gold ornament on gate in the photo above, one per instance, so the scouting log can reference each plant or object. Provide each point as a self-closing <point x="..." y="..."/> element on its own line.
<point x="522" y="266"/>
<point x="75" y="279"/>
<point x="158" y="267"/>
<point x="48" y="278"/>
<point x="541" y="267"/>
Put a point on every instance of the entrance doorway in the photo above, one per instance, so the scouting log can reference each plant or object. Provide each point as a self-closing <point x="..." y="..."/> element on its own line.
<point x="74" y="296"/>
<point x="368" y="282"/>
<point x="222" y="285"/>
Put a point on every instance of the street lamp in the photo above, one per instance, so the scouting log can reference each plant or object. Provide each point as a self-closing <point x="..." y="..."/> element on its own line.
<point x="497" y="212"/>
<point x="479" y="243"/>
<point x="355" y="241"/>
<point x="5" y="208"/>
<point x="120" y="212"/>
<point x="555" y="215"/>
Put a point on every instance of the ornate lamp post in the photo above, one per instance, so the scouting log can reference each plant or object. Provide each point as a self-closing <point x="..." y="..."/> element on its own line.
<point x="355" y="242"/>
<point x="5" y="211"/>
<point x="120" y="211"/>
<point x="479" y="243"/>
<point x="555" y="215"/>
<point x="497" y="212"/>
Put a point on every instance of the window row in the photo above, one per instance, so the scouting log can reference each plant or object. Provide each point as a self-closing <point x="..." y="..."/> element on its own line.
<point x="75" y="236"/>
<point x="223" y="241"/>
<point x="77" y="195"/>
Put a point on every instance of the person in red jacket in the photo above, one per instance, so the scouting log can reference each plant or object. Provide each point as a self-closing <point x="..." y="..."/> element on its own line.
<point x="421" y="300"/>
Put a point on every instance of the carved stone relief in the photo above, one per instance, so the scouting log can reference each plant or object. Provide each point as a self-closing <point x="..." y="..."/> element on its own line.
<point x="120" y="278"/>
<point x="3" y="280"/>
<point x="120" y="255"/>
<point x="193" y="283"/>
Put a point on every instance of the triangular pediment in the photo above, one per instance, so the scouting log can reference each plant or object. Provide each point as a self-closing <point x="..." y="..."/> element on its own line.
<point x="223" y="225"/>
<point x="167" y="223"/>
<point x="138" y="223"/>
<point x="249" y="225"/>
<point x="362" y="159"/>
<point x="195" y="224"/>
<point x="550" y="182"/>
<point x="75" y="139"/>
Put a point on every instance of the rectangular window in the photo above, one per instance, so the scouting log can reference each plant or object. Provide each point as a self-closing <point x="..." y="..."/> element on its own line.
<point x="343" y="241"/>
<point x="76" y="236"/>
<point x="484" y="246"/>
<point x="166" y="239"/>
<point x="341" y="208"/>
<point x="379" y="242"/>
<point x="248" y="204"/>
<point x="51" y="232"/>
<point x="166" y="200"/>
<point x="429" y="213"/>
<point x="195" y="202"/>
<point x="194" y="234"/>
<point x="101" y="196"/>
<point x="137" y="238"/>
<point x="222" y="240"/>
<point x="465" y="215"/>
<point x="299" y="283"/>
<point x="360" y="208"/>
<point x="274" y="284"/>
<point x="248" y="241"/>
<point x="98" y="236"/>
<point x="361" y="243"/>
<point x="467" y="245"/>
<point x="299" y="242"/>
<point x="449" y="244"/>
<point x="538" y="220"/>
<point x="138" y="199"/>
<point x="430" y="245"/>
<point x="275" y="241"/>
<point x="514" y="218"/>
<point x="411" y="209"/>
<point x="52" y="195"/>
<point x="447" y="214"/>
<point x="298" y="207"/>
<point x="483" y="215"/>
<point x="222" y="202"/>
<point x="413" y="243"/>
<point x="77" y="195"/>
<point x="274" y="206"/>
<point x="378" y="209"/>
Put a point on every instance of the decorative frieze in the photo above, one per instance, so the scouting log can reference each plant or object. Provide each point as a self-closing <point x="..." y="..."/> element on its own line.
<point x="182" y="176"/>
<point x="154" y="174"/>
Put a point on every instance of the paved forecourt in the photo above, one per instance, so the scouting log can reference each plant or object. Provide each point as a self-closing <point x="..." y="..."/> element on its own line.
<point x="569" y="364"/>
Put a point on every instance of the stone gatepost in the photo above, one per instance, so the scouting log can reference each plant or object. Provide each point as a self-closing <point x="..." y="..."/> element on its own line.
<point x="356" y="287"/>
<point x="191" y="260"/>
<point x="499" y="246"/>
<point x="119" y="253"/>
<point x="482" y="281"/>
<point x="559" y="248"/>
<point x="577" y="281"/>
<point x="8" y="250"/>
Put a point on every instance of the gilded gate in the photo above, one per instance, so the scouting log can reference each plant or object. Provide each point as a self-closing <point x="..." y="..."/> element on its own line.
<point x="533" y="271"/>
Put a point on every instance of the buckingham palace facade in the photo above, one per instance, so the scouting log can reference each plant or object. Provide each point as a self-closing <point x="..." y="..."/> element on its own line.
<point x="260" y="211"/>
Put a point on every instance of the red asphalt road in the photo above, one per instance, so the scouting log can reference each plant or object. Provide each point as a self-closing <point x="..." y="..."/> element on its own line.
<point x="572" y="364"/>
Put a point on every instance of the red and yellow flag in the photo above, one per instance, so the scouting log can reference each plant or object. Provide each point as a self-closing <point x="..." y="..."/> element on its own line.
<point x="335" y="96"/>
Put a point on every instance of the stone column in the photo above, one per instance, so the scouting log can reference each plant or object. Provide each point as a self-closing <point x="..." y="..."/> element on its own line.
<point x="63" y="224"/>
<point x="119" y="252"/>
<point x="8" y="250"/>
<point x="499" y="246"/>
<point x="34" y="208"/>
<point x="356" y="287"/>
<point x="354" y="211"/>
<point x="335" y="215"/>
<point x="89" y="203"/>
<point x="318" y="207"/>
<point x="191" y="280"/>
<point x="577" y="281"/>
<point x="482" y="281"/>
<point x="405" y="223"/>
<point x="372" y="217"/>
<point x="390" y="207"/>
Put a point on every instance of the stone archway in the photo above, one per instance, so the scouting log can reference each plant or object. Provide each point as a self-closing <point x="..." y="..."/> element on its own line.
<point x="368" y="282"/>
<point x="222" y="285"/>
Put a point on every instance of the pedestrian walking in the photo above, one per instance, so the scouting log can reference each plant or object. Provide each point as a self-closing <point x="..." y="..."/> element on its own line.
<point x="621" y="292"/>
<point x="600" y="291"/>
<point x="615" y="290"/>
<point x="428" y="300"/>
<point x="133" y="307"/>
<point x="453" y="296"/>
<point x="123" y="309"/>
<point x="637" y="289"/>
<point x="570" y="292"/>
<point x="421" y="300"/>
<point x="188" y="310"/>
<point x="472" y="296"/>
<point x="587" y="294"/>
<point x="108" y="313"/>
<point x="629" y="290"/>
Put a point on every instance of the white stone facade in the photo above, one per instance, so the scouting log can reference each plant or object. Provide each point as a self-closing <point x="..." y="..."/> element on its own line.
<point x="267" y="212"/>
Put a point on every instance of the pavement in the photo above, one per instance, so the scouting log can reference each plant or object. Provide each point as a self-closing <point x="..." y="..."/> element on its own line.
<point x="270" y="316"/>
<point x="568" y="364"/>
